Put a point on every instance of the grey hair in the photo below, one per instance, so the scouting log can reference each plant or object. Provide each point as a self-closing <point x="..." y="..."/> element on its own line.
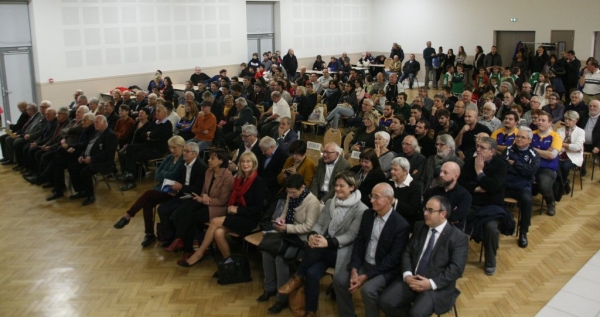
<point x="86" y="109"/>
<point x="127" y="93"/>
<point x="578" y="93"/>
<point x="338" y="149"/>
<point x="189" y="93"/>
<point x="63" y="110"/>
<point x="242" y="101"/>
<point x="528" y="130"/>
<point x="250" y="129"/>
<point x="387" y="190"/>
<point x="116" y="91"/>
<point x="415" y="144"/>
<point x="48" y="103"/>
<point x="384" y="135"/>
<point x="193" y="146"/>
<point x="102" y="118"/>
<point x="152" y="97"/>
<point x="207" y="95"/>
<point x="508" y="86"/>
<point x="573" y="115"/>
<point x="33" y="106"/>
<point x="369" y="101"/>
<point x="275" y="94"/>
<point x="402" y="162"/>
<point x="90" y="116"/>
<point x="440" y="96"/>
<point x="268" y="142"/>
<point x="490" y="104"/>
<point x="491" y="142"/>
<point x="448" y="140"/>
<point x="287" y="119"/>
<point x="79" y="91"/>
<point x="93" y="100"/>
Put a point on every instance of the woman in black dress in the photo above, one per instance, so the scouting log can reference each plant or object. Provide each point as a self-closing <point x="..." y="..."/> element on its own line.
<point x="245" y="204"/>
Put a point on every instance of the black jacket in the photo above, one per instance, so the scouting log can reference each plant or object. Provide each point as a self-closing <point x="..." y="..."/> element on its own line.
<point x="373" y="178"/>
<point x="493" y="181"/>
<point x="196" y="178"/>
<point x="103" y="151"/>
<point x="269" y="174"/>
<point x="585" y="116"/>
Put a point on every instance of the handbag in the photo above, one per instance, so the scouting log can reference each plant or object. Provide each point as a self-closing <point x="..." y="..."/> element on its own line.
<point x="297" y="302"/>
<point x="236" y="271"/>
<point x="317" y="115"/>
<point x="271" y="243"/>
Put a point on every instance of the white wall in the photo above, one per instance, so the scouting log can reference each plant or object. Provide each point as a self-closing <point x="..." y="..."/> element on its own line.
<point x="472" y="22"/>
<point x="79" y="39"/>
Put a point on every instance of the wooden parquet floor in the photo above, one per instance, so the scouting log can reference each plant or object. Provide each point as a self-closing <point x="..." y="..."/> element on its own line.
<point x="61" y="259"/>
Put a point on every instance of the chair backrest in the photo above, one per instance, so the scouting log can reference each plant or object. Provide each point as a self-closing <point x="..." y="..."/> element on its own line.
<point x="388" y="62"/>
<point x="313" y="151"/>
<point x="319" y="97"/>
<point x="347" y="141"/>
<point x="261" y="108"/>
<point x="181" y="111"/>
<point x="558" y="125"/>
<point x="353" y="158"/>
<point x="331" y="136"/>
<point x="293" y="109"/>
<point x="324" y="109"/>
<point x="255" y="121"/>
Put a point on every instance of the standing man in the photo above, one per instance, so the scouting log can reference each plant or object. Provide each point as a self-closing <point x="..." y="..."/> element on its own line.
<point x="572" y="66"/>
<point x="290" y="63"/>
<point x="330" y="164"/>
<point x="429" y="274"/>
<point x="376" y="255"/>
<point x="492" y="59"/>
<point x="590" y="81"/>
<point x="428" y="55"/>
<point x="523" y="163"/>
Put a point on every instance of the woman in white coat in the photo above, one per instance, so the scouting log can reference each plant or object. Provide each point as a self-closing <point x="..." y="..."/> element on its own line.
<point x="331" y="240"/>
<point x="571" y="154"/>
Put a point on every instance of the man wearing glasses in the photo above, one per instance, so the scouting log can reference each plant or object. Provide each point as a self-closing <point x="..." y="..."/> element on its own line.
<point x="484" y="177"/>
<point x="329" y="165"/>
<point x="429" y="271"/>
<point x="249" y="144"/>
<point x="523" y="163"/>
<point x="535" y="104"/>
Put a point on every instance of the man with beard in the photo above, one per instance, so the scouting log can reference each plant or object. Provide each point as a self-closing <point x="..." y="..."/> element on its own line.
<point x="412" y="152"/>
<point x="447" y="186"/>
<point x="465" y="140"/>
<point x="445" y="153"/>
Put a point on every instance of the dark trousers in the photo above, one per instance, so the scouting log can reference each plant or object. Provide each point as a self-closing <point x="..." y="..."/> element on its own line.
<point x="47" y="164"/>
<point x="189" y="216"/>
<point x="139" y="153"/>
<point x="267" y="127"/>
<point x="28" y="156"/>
<point x="491" y="239"/>
<point x="61" y="162"/>
<point x="3" y="145"/>
<point x="565" y="169"/>
<point x="396" y="300"/>
<point x="314" y="264"/>
<point x="525" y="202"/>
<point x="81" y="178"/>
<point x="18" y="147"/>
<point x="147" y="202"/>
<point x="8" y="147"/>
<point x="545" y="180"/>
<point x="165" y="211"/>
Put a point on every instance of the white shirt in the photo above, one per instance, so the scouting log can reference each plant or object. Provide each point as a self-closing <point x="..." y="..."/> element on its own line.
<point x="174" y="118"/>
<point x="328" y="172"/>
<point x="281" y="108"/>
<point x="592" y="83"/>
<point x="188" y="171"/>
<point x="438" y="230"/>
<point x="378" y="225"/>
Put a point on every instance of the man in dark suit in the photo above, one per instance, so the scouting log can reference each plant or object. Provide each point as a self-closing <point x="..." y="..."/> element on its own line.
<point x="433" y="260"/>
<point x="97" y="157"/>
<point x="330" y="164"/>
<point x="375" y="261"/>
<point x="272" y="165"/>
<point x="139" y="103"/>
<point x="243" y="116"/>
<point x="45" y="136"/>
<point x="249" y="144"/>
<point x="191" y="180"/>
<point x="285" y="135"/>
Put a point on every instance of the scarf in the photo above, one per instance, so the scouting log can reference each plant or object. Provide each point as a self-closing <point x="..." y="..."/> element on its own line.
<point x="338" y="209"/>
<point x="239" y="189"/>
<point x="330" y="92"/>
<point x="293" y="204"/>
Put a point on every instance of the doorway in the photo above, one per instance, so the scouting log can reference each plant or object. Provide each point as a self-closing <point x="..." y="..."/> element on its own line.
<point x="597" y="46"/>
<point x="563" y="40"/>
<point x="260" y="31"/>
<point x="507" y="40"/>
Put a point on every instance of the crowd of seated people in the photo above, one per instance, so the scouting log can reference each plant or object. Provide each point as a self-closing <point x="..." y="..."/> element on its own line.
<point x="436" y="166"/>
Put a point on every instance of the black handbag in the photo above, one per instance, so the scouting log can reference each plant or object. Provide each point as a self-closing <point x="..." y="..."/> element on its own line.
<point x="271" y="243"/>
<point x="236" y="271"/>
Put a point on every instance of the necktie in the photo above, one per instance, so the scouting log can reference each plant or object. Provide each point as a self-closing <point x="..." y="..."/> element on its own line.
<point x="422" y="269"/>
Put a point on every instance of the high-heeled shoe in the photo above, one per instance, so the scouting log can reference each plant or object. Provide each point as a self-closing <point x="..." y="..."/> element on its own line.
<point x="175" y="245"/>
<point x="185" y="263"/>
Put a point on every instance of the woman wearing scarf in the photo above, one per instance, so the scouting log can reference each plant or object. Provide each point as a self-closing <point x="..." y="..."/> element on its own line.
<point x="245" y="205"/>
<point x="332" y="95"/>
<point x="299" y="216"/>
<point x="297" y="164"/>
<point x="368" y="174"/>
<point x="330" y="241"/>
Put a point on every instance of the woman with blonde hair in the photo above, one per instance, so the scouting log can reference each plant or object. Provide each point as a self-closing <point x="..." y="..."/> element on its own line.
<point x="186" y="123"/>
<point x="365" y="136"/>
<point x="245" y="205"/>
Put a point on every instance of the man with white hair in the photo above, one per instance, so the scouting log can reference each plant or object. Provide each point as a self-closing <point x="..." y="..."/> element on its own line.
<point x="589" y="123"/>
<point x="467" y="98"/>
<point x="577" y="103"/>
<point x="446" y="148"/>
<point x="375" y="259"/>
<point x="198" y="76"/>
<point x="271" y="118"/>
<point x="82" y="100"/>
<point x="488" y="118"/>
<point x="407" y="191"/>
<point x="412" y="152"/>
<point x="330" y="164"/>
<point x="249" y="144"/>
<point x="76" y="95"/>
<point x="269" y="169"/>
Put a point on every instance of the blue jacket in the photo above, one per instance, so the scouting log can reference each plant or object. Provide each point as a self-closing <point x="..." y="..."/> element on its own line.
<point x="521" y="173"/>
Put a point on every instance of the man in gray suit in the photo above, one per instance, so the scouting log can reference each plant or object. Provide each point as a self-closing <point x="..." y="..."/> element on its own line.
<point x="330" y="165"/>
<point x="433" y="260"/>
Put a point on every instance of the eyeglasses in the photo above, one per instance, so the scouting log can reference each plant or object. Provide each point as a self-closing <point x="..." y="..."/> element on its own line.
<point x="440" y="144"/>
<point x="481" y="147"/>
<point x="430" y="211"/>
<point x="329" y="153"/>
<point x="188" y="151"/>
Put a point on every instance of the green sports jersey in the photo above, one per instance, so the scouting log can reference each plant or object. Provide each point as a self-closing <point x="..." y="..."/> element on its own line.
<point x="458" y="83"/>
<point x="447" y="80"/>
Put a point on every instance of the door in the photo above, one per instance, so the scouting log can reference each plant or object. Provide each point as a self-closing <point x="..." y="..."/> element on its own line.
<point x="17" y="80"/>
<point x="506" y="42"/>
<point x="597" y="46"/>
<point x="260" y="31"/>
<point x="563" y="40"/>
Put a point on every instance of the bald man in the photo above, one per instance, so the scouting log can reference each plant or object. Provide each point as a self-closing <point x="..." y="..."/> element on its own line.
<point x="447" y="186"/>
<point x="465" y="140"/>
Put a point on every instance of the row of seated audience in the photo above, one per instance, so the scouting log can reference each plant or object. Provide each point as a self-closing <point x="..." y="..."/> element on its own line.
<point x="460" y="180"/>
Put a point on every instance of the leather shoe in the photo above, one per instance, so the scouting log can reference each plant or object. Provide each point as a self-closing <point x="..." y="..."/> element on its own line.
<point x="175" y="245"/>
<point x="4" y="159"/>
<point x="148" y="239"/>
<point x="278" y="307"/>
<point x="8" y="162"/>
<point x="48" y="185"/>
<point x="293" y="284"/>
<point x="567" y="187"/>
<point x="54" y="196"/>
<point x="490" y="270"/>
<point x="78" y="195"/>
<point x="552" y="209"/>
<point x="523" y="240"/>
<point x="31" y="179"/>
<point x="128" y="186"/>
<point x="29" y="173"/>
<point x="121" y="223"/>
<point x="18" y="168"/>
<point x="265" y="296"/>
<point x="88" y="201"/>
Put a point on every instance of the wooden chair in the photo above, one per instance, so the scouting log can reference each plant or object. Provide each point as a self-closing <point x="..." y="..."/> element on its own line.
<point x="261" y="108"/>
<point x="331" y="136"/>
<point x="181" y="111"/>
<point x="347" y="141"/>
<point x="313" y="155"/>
<point x="255" y="238"/>
<point x="558" y="125"/>
<point x="509" y="203"/>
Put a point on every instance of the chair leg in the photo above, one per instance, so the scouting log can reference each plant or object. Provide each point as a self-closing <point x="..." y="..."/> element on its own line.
<point x="593" y="165"/>
<point x="481" y="252"/>
<point x="106" y="180"/>
<point x="573" y="182"/>
<point x="580" y="180"/>
<point x="455" y="311"/>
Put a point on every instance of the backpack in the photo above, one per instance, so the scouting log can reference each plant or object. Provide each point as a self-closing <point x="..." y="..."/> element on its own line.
<point x="435" y="62"/>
